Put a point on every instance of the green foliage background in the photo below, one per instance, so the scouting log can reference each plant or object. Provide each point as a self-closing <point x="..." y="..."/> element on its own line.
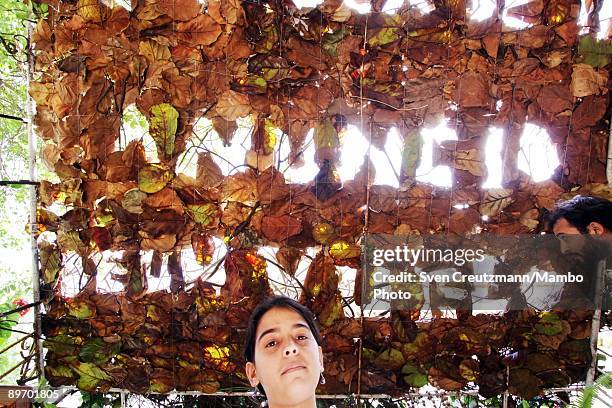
<point x="15" y="270"/>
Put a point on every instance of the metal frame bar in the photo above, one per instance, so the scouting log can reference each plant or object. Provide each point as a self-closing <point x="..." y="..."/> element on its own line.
<point x="596" y="322"/>
<point x="436" y="393"/>
<point x="38" y="349"/>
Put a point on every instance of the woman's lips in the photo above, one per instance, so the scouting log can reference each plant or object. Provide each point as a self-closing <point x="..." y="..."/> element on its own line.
<point x="292" y="369"/>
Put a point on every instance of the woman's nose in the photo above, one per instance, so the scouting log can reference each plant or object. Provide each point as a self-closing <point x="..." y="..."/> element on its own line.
<point x="291" y="349"/>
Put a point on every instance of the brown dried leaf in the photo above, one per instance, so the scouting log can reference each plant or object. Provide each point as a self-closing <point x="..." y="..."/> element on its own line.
<point x="555" y="98"/>
<point x="202" y="30"/>
<point x="153" y="51"/>
<point x="208" y="173"/>
<point x="547" y="194"/>
<point x="163" y="243"/>
<point x="289" y="258"/>
<point x="306" y="54"/>
<point x="472" y="90"/>
<point x="471" y="161"/>
<point x="271" y="186"/>
<point x="589" y="112"/>
<point x="586" y="80"/>
<point x="495" y="200"/>
<point x="280" y="228"/>
<point x="240" y="187"/>
<point x="166" y="199"/>
<point x="439" y="379"/>
<point x="181" y="10"/>
<point x="528" y="12"/>
<point x="233" y="105"/>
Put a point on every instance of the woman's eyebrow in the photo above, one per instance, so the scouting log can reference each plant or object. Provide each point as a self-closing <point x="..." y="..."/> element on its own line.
<point x="275" y="329"/>
<point x="272" y="330"/>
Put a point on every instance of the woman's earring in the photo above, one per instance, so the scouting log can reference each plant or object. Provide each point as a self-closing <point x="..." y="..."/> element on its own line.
<point x="322" y="379"/>
<point x="256" y="392"/>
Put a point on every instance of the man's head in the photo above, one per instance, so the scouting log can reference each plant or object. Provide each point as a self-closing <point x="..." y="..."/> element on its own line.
<point x="582" y="215"/>
<point x="582" y="225"/>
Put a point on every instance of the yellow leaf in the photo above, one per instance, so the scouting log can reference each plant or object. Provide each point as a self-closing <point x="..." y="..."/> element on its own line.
<point x="344" y="250"/>
<point x="162" y="126"/>
<point x="90" y="10"/>
<point x="153" y="178"/>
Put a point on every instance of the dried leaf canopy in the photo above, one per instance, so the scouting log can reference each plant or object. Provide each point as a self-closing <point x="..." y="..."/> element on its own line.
<point x="327" y="67"/>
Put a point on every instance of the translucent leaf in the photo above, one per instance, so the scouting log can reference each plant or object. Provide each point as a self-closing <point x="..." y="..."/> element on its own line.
<point x="153" y="178"/>
<point x="80" y="309"/>
<point x="390" y="359"/>
<point x="90" y="10"/>
<point x="62" y="345"/>
<point x="495" y="201"/>
<point x="331" y="41"/>
<point x="98" y="351"/>
<point x="411" y="154"/>
<point x="344" y="250"/>
<point x="162" y="126"/>
<point x="597" y="53"/>
<point x="203" y="248"/>
<point x="50" y="261"/>
<point x="90" y="375"/>
<point x="204" y="214"/>
<point x="471" y="161"/>
<point x="549" y="324"/>
<point x="219" y="357"/>
<point x="233" y="105"/>
<point x="388" y="34"/>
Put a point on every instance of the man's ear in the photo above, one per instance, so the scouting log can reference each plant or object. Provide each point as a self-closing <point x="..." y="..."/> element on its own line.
<point x="251" y="373"/>
<point x="596" y="228"/>
<point x="321" y="358"/>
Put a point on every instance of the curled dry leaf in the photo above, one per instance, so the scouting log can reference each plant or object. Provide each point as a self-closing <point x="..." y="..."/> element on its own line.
<point x="289" y="258"/>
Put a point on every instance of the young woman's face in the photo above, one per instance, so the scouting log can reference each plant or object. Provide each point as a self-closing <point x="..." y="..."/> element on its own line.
<point x="288" y="361"/>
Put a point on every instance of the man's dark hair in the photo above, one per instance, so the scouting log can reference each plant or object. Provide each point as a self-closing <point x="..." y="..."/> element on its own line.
<point x="580" y="211"/>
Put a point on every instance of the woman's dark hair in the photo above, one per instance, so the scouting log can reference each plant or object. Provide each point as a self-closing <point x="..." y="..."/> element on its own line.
<point x="580" y="211"/>
<point x="261" y="309"/>
<point x="270" y="303"/>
